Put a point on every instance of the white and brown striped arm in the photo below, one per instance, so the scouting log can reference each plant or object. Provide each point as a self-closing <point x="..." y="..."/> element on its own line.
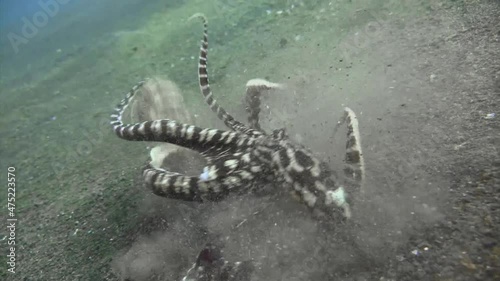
<point x="206" y="91"/>
<point x="254" y="90"/>
<point x="227" y="171"/>
<point x="173" y="132"/>
<point x="354" y="165"/>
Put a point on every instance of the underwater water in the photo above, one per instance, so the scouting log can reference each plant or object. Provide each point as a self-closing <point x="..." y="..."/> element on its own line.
<point x="422" y="77"/>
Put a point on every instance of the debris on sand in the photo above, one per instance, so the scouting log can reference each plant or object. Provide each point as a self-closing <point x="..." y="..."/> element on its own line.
<point x="433" y="77"/>
<point x="489" y="116"/>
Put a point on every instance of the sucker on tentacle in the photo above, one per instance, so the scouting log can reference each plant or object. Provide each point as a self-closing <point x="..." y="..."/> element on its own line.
<point x="240" y="159"/>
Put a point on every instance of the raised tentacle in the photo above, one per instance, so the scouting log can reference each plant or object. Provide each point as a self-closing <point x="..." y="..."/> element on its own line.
<point x="223" y="115"/>
<point x="252" y="98"/>
<point x="354" y="161"/>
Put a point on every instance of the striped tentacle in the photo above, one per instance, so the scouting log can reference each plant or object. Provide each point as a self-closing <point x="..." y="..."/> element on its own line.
<point x="354" y="161"/>
<point x="229" y="173"/>
<point x="116" y="117"/>
<point x="191" y="188"/>
<point x="207" y="92"/>
<point x="253" y="108"/>
<point x="252" y="97"/>
<point x="222" y="149"/>
<point x="230" y="170"/>
<point x="173" y="132"/>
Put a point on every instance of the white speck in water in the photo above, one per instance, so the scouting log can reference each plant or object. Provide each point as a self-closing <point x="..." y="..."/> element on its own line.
<point x="279" y="12"/>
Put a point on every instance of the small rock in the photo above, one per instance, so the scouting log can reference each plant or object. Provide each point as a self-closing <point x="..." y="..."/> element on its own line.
<point x="433" y="77"/>
<point x="489" y="242"/>
<point x="283" y="42"/>
<point x="489" y="116"/>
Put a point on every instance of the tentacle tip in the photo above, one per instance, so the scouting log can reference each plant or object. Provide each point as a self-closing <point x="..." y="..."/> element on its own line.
<point x="198" y="15"/>
<point x="348" y="110"/>
<point x="262" y="83"/>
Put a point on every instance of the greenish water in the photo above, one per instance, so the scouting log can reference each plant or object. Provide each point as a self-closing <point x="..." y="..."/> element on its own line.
<point x="59" y="89"/>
